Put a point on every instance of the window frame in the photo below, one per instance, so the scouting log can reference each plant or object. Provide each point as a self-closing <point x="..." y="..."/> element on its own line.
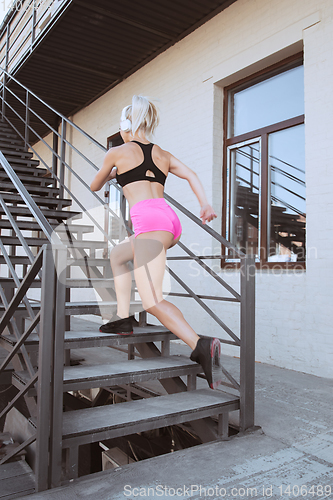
<point x="116" y="138"/>
<point x="262" y="135"/>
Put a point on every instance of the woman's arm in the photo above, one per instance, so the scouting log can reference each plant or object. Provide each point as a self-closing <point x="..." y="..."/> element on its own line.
<point x="106" y="173"/>
<point x="179" y="169"/>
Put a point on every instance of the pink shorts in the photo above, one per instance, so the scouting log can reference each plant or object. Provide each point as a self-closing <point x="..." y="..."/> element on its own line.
<point x="154" y="214"/>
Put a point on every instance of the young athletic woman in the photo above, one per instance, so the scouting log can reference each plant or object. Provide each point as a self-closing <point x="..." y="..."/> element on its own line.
<point x="141" y="168"/>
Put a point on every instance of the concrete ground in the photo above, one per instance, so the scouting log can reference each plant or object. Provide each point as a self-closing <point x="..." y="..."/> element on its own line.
<point x="290" y="456"/>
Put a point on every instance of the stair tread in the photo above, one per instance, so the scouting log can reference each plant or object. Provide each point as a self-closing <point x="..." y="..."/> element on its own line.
<point x="35" y="179"/>
<point x="17" y="480"/>
<point x="13" y="240"/>
<point x="38" y="199"/>
<point x="10" y="153"/>
<point x="33" y="226"/>
<point x="134" y="367"/>
<point x="49" y="214"/>
<point x="125" y="372"/>
<point x="184" y="405"/>
<point x="30" y="171"/>
<point x="89" y="335"/>
<point x="73" y="308"/>
<point x="91" y="282"/>
<point x="96" y="338"/>
<point x="30" y="188"/>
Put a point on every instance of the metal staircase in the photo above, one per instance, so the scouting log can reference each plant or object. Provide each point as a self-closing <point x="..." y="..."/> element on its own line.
<point x="54" y="259"/>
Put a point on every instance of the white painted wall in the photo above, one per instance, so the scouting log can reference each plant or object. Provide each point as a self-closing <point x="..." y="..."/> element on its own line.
<point x="294" y="310"/>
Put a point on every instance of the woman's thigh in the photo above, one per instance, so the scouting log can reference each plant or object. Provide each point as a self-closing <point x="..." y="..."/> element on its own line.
<point x="123" y="252"/>
<point x="149" y="265"/>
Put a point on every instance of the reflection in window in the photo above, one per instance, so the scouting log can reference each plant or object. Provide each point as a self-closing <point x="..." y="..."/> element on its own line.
<point x="244" y="197"/>
<point x="275" y="99"/>
<point x="287" y="211"/>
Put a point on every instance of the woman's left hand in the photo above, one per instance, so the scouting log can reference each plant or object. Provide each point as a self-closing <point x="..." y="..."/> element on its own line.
<point x="207" y="214"/>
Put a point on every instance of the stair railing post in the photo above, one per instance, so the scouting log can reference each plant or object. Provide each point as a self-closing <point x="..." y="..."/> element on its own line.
<point x="122" y="222"/>
<point x="33" y="26"/>
<point x="55" y="146"/>
<point x="106" y="221"/>
<point x="27" y="120"/>
<point x="62" y="157"/>
<point x="60" y="260"/>
<point x="247" y="342"/>
<point x="45" y="365"/>
<point x="4" y="74"/>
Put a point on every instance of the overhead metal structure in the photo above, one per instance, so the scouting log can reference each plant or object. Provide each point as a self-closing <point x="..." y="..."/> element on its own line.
<point x="92" y="46"/>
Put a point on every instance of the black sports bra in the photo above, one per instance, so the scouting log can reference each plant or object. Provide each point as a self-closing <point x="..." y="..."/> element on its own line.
<point x="139" y="173"/>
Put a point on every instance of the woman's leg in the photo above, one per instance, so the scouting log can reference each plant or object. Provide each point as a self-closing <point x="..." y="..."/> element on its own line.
<point x="149" y="268"/>
<point x="119" y="257"/>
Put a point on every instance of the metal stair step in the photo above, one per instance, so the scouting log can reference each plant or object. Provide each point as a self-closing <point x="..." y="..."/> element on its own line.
<point x="39" y="200"/>
<point x="17" y="480"/>
<point x="92" y="262"/>
<point x="49" y="214"/>
<point x="128" y="372"/>
<point x="91" y="283"/>
<point x="33" y="189"/>
<point x="16" y="154"/>
<point x="24" y="162"/>
<point x="13" y="145"/>
<point x="85" y="339"/>
<point x="4" y="134"/>
<point x="34" y="171"/>
<point x="125" y="372"/>
<point x="38" y="242"/>
<point x="33" y="226"/>
<point x="23" y="259"/>
<point x="10" y="283"/>
<point x="105" y="422"/>
<point x="82" y="308"/>
<point x="30" y="179"/>
<point x="16" y="259"/>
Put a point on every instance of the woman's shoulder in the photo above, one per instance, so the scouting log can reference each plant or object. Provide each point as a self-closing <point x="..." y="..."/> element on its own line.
<point x="162" y="153"/>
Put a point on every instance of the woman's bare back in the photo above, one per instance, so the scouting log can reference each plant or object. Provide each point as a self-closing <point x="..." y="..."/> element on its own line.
<point x="129" y="156"/>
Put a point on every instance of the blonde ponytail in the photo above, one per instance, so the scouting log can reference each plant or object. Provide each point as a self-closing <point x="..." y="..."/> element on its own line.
<point x="143" y="115"/>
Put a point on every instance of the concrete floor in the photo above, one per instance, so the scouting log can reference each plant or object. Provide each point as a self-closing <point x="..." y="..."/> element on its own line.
<point x="293" y="447"/>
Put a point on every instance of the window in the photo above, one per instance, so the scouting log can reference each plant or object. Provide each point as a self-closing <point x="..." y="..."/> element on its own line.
<point x="264" y="209"/>
<point x="114" y="140"/>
